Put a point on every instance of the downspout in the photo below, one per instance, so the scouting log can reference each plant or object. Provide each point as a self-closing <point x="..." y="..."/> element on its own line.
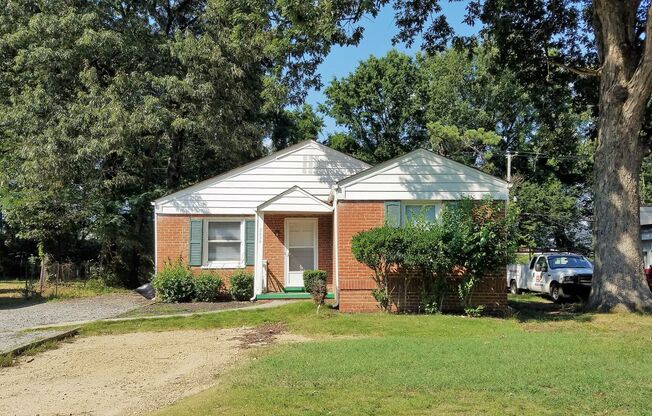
<point x="336" y="246"/>
<point x="258" y="256"/>
<point x="155" y="239"/>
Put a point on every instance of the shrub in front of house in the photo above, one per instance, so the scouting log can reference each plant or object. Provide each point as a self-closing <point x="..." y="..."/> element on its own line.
<point x="314" y="282"/>
<point x="175" y="283"/>
<point x="470" y="239"/>
<point x="242" y="285"/>
<point x="380" y="249"/>
<point x="208" y="287"/>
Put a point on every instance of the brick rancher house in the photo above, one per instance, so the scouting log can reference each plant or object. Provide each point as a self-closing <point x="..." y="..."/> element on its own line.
<point x="298" y="209"/>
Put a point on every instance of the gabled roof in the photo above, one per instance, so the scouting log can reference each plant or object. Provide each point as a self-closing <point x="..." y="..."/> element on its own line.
<point x="295" y="199"/>
<point x="411" y="155"/>
<point x="252" y="165"/>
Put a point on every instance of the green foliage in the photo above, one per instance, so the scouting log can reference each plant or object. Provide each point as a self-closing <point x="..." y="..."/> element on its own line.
<point x="294" y="126"/>
<point x="552" y="215"/>
<point x="471" y="238"/>
<point x="106" y="106"/>
<point x="103" y="276"/>
<point x="242" y="285"/>
<point x="314" y="282"/>
<point x="379" y="106"/>
<point x="380" y="249"/>
<point x="474" y="312"/>
<point x="464" y="105"/>
<point x="646" y="180"/>
<point x="208" y="287"/>
<point x="175" y="283"/>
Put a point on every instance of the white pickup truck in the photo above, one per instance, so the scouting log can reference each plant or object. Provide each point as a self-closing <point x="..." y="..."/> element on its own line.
<point x="556" y="274"/>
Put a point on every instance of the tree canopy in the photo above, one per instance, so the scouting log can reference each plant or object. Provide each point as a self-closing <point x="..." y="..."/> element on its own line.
<point x="464" y="107"/>
<point x="105" y="106"/>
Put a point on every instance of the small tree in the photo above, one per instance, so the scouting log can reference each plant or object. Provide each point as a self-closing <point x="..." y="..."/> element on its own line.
<point x="314" y="281"/>
<point x="380" y="249"/>
<point x="425" y="254"/>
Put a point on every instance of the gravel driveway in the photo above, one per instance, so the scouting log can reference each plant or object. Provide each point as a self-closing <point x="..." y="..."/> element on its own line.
<point x="14" y="320"/>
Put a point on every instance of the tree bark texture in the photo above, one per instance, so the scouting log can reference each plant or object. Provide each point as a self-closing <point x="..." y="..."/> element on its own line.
<point x="625" y="88"/>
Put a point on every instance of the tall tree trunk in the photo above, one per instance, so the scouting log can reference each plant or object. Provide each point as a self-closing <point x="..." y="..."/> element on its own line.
<point x="625" y="88"/>
<point x="618" y="278"/>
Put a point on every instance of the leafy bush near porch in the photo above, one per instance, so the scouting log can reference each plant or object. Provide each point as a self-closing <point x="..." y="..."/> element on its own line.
<point x="175" y="283"/>
<point x="208" y="287"/>
<point x="314" y="281"/>
<point x="242" y="285"/>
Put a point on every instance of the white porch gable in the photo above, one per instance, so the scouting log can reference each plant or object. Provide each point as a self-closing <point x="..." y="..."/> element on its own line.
<point x="295" y="199"/>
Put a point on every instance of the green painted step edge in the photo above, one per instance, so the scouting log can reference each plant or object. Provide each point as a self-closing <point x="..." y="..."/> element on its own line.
<point x="300" y="289"/>
<point x="304" y="295"/>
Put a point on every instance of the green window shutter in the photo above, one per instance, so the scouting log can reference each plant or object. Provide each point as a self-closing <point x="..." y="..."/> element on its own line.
<point x="196" y="240"/>
<point x="250" y="242"/>
<point x="393" y="213"/>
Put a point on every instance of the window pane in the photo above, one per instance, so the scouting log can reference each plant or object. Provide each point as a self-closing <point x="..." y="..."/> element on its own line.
<point x="425" y="212"/>
<point x="301" y="234"/>
<point x="224" y="231"/>
<point x="302" y="259"/>
<point x="224" y="251"/>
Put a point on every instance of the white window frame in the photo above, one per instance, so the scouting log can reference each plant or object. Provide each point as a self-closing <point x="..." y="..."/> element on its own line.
<point x="421" y="204"/>
<point x="237" y="264"/>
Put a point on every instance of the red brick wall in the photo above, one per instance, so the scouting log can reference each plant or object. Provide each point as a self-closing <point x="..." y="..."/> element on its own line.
<point x="274" y="247"/>
<point x="172" y="244"/>
<point x="355" y="279"/>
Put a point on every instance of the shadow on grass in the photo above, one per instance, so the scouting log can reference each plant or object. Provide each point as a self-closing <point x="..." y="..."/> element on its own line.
<point x="538" y="309"/>
<point x="20" y="302"/>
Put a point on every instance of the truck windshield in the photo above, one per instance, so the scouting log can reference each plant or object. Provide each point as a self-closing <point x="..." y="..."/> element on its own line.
<point x="576" y="262"/>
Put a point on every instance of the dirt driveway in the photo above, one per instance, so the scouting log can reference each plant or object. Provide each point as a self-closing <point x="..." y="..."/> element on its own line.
<point x="128" y="374"/>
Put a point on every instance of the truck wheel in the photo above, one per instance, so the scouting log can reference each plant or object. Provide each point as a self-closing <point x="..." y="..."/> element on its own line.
<point x="513" y="288"/>
<point x="555" y="292"/>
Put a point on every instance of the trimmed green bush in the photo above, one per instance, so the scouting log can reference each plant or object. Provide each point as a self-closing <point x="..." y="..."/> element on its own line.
<point x="381" y="249"/>
<point x="314" y="282"/>
<point x="208" y="287"/>
<point x="175" y="283"/>
<point x="242" y="285"/>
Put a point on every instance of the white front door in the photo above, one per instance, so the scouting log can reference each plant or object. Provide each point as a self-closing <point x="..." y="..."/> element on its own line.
<point x="300" y="249"/>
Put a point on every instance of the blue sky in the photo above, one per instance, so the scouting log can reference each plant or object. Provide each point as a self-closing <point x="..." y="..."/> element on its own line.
<point x="377" y="41"/>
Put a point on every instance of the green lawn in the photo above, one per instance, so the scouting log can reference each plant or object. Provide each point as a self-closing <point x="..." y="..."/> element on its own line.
<point x="11" y="292"/>
<point x="544" y="360"/>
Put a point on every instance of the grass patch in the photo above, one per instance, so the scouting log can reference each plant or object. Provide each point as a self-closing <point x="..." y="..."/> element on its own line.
<point x="10" y="359"/>
<point x="6" y="360"/>
<point x="11" y="292"/>
<point x="378" y="364"/>
<point x="161" y="308"/>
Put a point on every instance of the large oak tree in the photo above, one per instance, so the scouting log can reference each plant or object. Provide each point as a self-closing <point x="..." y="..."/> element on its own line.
<point x="601" y="51"/>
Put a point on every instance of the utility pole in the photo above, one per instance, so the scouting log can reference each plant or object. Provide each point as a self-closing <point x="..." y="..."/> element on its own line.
<point x="510" y="155"/>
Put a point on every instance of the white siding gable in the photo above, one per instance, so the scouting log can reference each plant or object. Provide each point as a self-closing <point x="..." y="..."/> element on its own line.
<point x="421" y="176"/>
<point x="310" y="165"/>
<point x="295" y="199"/>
